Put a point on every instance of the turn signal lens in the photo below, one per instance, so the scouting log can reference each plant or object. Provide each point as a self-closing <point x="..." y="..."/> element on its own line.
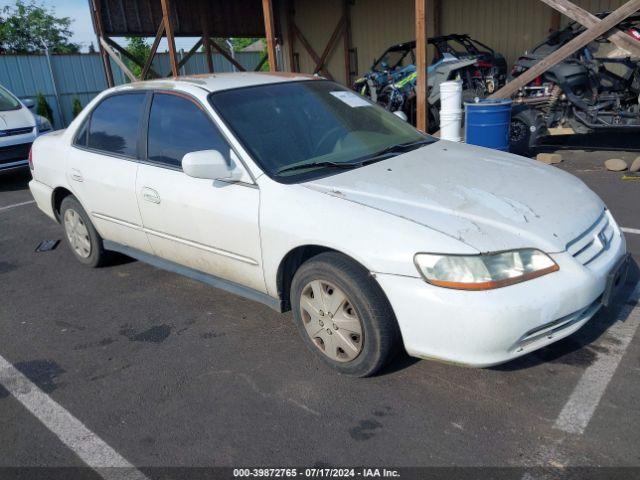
<point x="31" y="167"/>
<point x="484" y="272"/>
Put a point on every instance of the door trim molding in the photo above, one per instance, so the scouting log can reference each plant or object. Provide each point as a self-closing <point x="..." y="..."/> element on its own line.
<point x="202" y="246"/>
<point x="173" y="238"/>
<point x="212" y="280"/>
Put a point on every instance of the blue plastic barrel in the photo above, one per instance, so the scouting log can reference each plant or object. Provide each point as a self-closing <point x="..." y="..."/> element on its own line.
<point x="487" y="123"/>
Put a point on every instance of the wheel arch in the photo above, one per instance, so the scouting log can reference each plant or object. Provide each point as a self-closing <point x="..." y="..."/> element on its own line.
<point x="58" y="195"/>
<point x="292" y="261"/>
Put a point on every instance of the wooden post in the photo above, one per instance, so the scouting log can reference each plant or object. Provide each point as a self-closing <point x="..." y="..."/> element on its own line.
<point x="346" y="13"/>
<point x="168" y="28"/>
<point x="206" y="34"/>
<point x="291" y="36"/>
<point x="94" y="6"/>
<point x="559" y="55"/>
<point x="267" y="10"/>
<point x="422" y="103"/>
<point x="574" y="12"/>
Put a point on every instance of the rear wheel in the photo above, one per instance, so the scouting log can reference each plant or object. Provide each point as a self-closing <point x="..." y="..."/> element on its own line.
<point x="82" y="238"/>
<point x="527" y="126"/>
<point x="343" y="315"/>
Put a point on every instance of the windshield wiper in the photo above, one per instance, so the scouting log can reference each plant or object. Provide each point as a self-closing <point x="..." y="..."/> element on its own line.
<point x="401" y="148"/>
<point x="303" y="166"/>
<point x="380" y="155"/>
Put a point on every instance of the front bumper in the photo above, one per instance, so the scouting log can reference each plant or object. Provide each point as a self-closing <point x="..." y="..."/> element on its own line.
<point x="486" y="328"/>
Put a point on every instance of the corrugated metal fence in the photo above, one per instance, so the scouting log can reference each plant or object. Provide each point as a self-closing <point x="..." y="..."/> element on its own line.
<point x="82" y="76"/>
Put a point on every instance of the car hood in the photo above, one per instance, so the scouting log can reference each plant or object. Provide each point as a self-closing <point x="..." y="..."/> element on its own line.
<point x="488" y="199"/>
<point x="16" y="119"/>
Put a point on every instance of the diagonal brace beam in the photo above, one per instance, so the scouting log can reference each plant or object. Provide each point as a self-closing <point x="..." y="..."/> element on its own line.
<point x="330" y="44"/>
<point x="615" y="36"/>
<point x="559" y="55"/>
<point x="229" y="58"/>
<point x="152" y="53"/>
<point x="309" y="49"/>
<point x="116" y="58"/>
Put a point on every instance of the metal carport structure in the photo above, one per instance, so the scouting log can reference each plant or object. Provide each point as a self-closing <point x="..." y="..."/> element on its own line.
<point x="277" y="21"/>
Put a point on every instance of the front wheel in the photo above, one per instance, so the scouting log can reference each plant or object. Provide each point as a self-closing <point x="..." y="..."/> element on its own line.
<point x="343" y="315"/>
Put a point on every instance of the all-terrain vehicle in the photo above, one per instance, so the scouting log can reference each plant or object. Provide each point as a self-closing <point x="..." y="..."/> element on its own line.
<point x="392" y="78"/>
<point x="597" y="88"/>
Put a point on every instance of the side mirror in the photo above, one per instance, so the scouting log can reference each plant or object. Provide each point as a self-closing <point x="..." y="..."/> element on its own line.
<point x="29" y="103"/>
<point x="401" y="115"/>
<point x="209" y="164"/>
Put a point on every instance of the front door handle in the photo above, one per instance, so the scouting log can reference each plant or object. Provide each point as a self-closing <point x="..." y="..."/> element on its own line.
<point x="150" y="195"/>
<point x="76" y="175"/>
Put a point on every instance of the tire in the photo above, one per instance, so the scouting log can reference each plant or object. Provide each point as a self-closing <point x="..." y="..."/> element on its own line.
<point x="527" y="126"/>
<point x="83" y="240"/>
<point x="326" y="333"/>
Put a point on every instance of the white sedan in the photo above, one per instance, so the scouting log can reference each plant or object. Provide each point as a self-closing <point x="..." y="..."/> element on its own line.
<point x="295" y="192"/>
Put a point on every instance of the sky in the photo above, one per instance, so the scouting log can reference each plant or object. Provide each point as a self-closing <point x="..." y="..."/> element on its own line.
<point x="82" y="28"/>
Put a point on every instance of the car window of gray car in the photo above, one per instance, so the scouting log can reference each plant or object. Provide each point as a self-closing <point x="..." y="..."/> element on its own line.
<point x="177" y="126"/>
<point x="114" y="124"/>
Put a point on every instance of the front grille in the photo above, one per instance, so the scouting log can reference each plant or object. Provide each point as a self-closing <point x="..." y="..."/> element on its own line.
<point x="594" y="241"/>
<point x="16" y="131"/>
<point x="13" y="153"/>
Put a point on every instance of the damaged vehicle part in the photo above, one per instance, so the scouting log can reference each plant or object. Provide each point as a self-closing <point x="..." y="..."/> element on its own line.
<point x="392" y="79"/>
<point x="596" y="89"/>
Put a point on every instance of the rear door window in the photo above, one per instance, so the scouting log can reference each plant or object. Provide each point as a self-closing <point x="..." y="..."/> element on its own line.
<point x="178" y="126"/>
<point x="115" y="123"/>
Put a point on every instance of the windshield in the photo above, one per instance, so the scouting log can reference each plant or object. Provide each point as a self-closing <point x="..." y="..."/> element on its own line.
<point x="393" y="59"/>
<point x="295" y="129"/>
<point x="8" y="101"/>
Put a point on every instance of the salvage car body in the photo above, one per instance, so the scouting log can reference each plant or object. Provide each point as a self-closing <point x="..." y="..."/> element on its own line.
<point x="596" y="88"/>
<point x="446" y="198"/>
<point x="392" y="78"/>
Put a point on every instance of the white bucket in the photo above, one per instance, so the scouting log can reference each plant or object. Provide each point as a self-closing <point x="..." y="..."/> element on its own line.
<point x="450" y="96"/>
<point x="450" y="125"/>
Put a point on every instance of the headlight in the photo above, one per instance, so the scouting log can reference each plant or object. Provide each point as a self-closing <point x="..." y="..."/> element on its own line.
<point x="484" y="272"/>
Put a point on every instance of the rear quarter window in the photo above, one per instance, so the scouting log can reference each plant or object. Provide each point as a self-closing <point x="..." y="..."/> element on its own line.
<point x="115" y="123"/>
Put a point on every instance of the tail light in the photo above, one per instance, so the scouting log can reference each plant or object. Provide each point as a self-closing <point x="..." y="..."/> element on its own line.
<point x="31" y="159"/>
<point x="634" y="33"/>
<point x="483" y="64"/>
<point x="538" y="81"/>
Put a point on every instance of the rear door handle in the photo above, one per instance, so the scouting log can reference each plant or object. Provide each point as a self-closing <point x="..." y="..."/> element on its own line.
<point x="76" y="175"/>
<point x="150" y="195"/>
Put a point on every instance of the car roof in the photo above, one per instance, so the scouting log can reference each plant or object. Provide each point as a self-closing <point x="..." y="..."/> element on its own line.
<point x="214" y="82"/>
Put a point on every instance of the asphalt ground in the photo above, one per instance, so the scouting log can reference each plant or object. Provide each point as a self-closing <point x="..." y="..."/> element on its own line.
<point x="167" y="372"/>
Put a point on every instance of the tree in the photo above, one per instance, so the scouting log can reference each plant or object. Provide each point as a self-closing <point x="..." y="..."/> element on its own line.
<point x="42" y="107"/>
<point x="76" y="107"/>
<point x="140" y="49"/>
<point x="92" y="48"/>
<point x="24" y="26"/>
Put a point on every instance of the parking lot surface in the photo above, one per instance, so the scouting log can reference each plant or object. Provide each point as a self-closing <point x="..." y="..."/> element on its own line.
<point x="165" y="371"/>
